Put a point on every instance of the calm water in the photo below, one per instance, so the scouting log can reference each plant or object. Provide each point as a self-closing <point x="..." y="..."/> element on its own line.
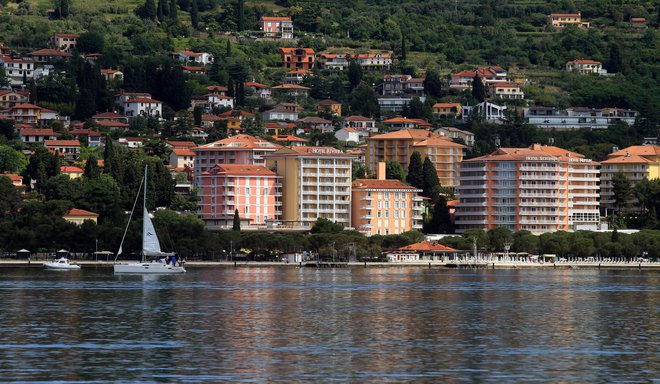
<point x="360" y="325"/>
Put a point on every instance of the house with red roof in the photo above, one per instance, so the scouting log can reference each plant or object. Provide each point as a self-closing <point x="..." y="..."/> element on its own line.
<point x="297" y="76"/>
<point x="142" y="106"/>
<point x="398" y="123"/>
<point x="64" y="41"/>
<point x="375" y="61"/>
<point x="301" y="58"/>
<point x="260" y="90"/>
<point x="110" y="116"/>
<point x="423" y="251"/>
<point x="17" y="69"/>
<point x="561" y="20"/>
<point x="92" y="137"/>
<point x="447" y="110"/>
<point x="289" y="140"/>
<point x="292" y="90"/>
<point x="279" y="127"/>
<point x="112" y="74"/>
<point x="182" y="157"/>
<point x="35" y="135"/>
<point x="71" y="171"/>
<point x="49" y="55"/>
<point x="79" y="216"/>
<point x="11" y="98"/>
<point x="276" y="27"/>
<point x="67" y="148"/>
<point x="194" y="69"/>
<point x="16" y="180"/>
<point x="335" y="61"/>
<point x="199" y="58"/>
<point x="360" y="123"/>
<point x="586" y="67"/>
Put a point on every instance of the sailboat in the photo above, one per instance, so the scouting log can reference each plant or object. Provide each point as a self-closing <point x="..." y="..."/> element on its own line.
<point x="154" y="261"/>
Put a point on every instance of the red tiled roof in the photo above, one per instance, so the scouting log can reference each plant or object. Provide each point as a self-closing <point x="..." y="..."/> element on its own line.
<point x="288" y="138"/>
<point x="73" y="35"/>
<point x="12" y="177"/>
<point x="183" y="151"/>
<point x="190" y="53"/>
<point x="256" y="85"/>
<point x="62" y="143"/>
<point x="291" y="86"/>
<point x="111" y="123"/>
<point x="49" y="52"/>
<point x="275" y="18"/>
<point x="585" y="61"/>
<point x="108" y="115"/>
<point x="426" y="246"/>
<point x="38" y="132"/>
<point x="70" y="169"/>
<point x="289" y="51"/>
<point x="143" y="100"/>
<point x="81" y="212"/>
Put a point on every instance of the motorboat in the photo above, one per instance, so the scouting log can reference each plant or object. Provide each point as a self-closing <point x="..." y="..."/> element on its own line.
<point x="61" y="264"/>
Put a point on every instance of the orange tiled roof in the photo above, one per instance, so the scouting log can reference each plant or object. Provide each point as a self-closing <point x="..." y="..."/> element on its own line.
<point x="13" y="177"/>
<point x="640" y="150"/>
<point x="585" y="61"/>
<point x="183" y="151"/>
<point x="108" y="115"/>
<point x="62" y="143"/>
<point x="49" y="52"/>
<point x="111" y="123"/>
<point x="81" y="212"/>
<point x="628" y="159"/>
<point x="288" y="138"/>
<point x="289" y="51"/>
<point x="239" y="142"/>
<point x="70" y="169"/>
<point x="399" y="119"/>
<point x="275" y="18"/>
<point x="38" y="132"/>
<point x="446" y="105"/>
<point x="181" y="144"/>
<point x="243" y="170"/>
<point x="414" y="134"/>
<point x="441" y="141"/>
<point x="426" y="246"/>
<point x="291" y="86"/>
<point x="381" y="184"/>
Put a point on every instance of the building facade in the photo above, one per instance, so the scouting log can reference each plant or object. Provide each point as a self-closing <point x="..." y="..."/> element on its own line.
<point x="316" y="184"/>
<point x="539" y="189"/>
<point x="385" y="207"/>
<point x="301" y="58"/>
<point x="635" y="163"/>
<point x="253" y="190"/>
<point x="239" y="149"/>
<point x="276" y="27"/>
<point x="445" y="154"/>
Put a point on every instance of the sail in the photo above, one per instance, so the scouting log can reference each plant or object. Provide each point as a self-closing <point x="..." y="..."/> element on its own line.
<point x="150" y="243"/>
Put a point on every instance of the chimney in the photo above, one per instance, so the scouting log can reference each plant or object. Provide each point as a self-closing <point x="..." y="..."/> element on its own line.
<point x="381" y="173"/>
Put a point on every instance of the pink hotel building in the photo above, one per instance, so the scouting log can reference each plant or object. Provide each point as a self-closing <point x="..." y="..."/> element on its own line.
<point x="239" y="149"/>
<point x="252" y="189"/>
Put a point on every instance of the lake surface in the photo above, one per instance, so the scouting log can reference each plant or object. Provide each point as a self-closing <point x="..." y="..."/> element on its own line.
<point x="356" y="325"/>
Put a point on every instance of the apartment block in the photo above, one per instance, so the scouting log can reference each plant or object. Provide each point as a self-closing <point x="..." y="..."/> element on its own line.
<point x="385" y="207"/>
<point x="445" y="154"/>
<point x="253" y="190"/>
<point x="316" y="184"/>
<point x="538" y="189"/>
<point x="636" y="163"/>
<point x="239" y="149"/>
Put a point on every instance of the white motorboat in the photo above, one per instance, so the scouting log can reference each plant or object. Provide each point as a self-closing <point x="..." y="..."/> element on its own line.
<point x="61" y="264"/>
<point x="153" y="259"/>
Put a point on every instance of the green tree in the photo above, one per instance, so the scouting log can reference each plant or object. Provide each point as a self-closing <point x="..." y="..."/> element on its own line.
<point x="404" y="49"/>
<point x="478" y="89"/>
<point x="194" y="14"/>
<point x="62" y="9"/>
<point x="150" y="9"/>
<point x="431" y="183"/>
<point x="615" y="62"/>
<point x="415" y="175"/>
<point x="240" y="15"/>
<point x="173" y="14"/>
<point x="433" y="84"/>
<point x="497" y="237"/>
<point x="622" y="189"/>
<point x="11" y="160"/>
<point x="92" y="168"/>
<point x="358" y="171"/>
<point x="364" y="101"/>
<point x="90" y="42"/>
<point x="4" y="80"/>
<point x="394" y="170"/>
<point x="354" y="73"/>
<point x="525" y="241"/>
<point x="237" y="221"/>
<point x="9" y="198"/>
<point x="440" y="221"/>
<point x="323" y="225"/>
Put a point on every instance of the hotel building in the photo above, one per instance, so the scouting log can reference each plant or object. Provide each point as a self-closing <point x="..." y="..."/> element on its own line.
<point x="239" y="149"/>
<point x="636" y="163"/>
<point x="253" y="190"/>
<point x="445" y="154"/>
<point x="385" y="207"/>
<point x="316" y="183"/>
<point x="539" y="189"/>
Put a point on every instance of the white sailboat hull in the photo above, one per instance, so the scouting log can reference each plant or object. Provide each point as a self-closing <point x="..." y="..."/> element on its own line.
<point x="154" y="267"/>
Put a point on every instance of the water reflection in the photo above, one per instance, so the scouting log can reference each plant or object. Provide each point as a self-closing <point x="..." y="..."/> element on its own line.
<point x="364" y="325"/>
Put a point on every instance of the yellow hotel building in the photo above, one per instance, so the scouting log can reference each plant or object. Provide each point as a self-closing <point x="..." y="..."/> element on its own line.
<point x="385" y="207"/>
<point x="400" y="145"/>
<point x="539" y="189"/>
<point x="636" y="163"/>
<point x="316" y="182"/>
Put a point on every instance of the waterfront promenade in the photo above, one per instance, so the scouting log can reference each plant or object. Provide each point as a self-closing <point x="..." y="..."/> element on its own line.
<point x="485" y="263"/>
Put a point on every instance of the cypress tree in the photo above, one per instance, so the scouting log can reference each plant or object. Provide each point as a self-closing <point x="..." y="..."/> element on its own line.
<point x="160" y="14"/>
<point x="173" y="11"/>
<point x="92" y="168"/>
<point x="431" y="183"/>
<point x="237" y="221"/>
<point x="478" y="89"/>
<point x="194" y="14"/>
<point x="230" y="87"/>
<point x="150" y="9"/>
<point x="109" y="156"/>
<point x="228" y="54"/>
<point x="240" y="15"/>
<point x="404" y="50"/>
<point x="415" y="171"/>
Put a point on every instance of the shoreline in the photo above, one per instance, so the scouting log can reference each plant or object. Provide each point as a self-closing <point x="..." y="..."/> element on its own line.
<point x="327" y="265"/>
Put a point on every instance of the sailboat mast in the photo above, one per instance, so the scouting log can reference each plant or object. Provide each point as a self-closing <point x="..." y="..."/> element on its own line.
<point x="146" y="212"/>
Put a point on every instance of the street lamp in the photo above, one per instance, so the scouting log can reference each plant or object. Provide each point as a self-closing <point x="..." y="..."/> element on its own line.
<point x="507" y="247"/>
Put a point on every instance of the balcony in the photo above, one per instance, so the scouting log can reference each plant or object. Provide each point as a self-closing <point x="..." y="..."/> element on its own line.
<point x="418" y="198"/>
<point x="417" y="226"/>
<point x="367" y="198"/>
<point x="368" y="217"/>
<point x="418" y="217"/>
